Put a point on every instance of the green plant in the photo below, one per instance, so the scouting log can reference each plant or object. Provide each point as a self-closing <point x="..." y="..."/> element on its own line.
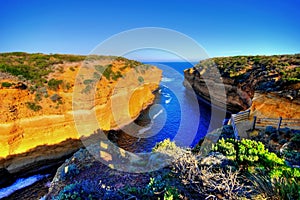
<point x="157" y="188"/>
<point x="287" y="188"/>
<point x="141" y="79"/>
<point x="6" y="84"/>
<point x="69" y="171"/>
<point x="107" y="72"/>
<point x="227" y="147"/>
<point x="33" y="106"/>
<point x="87" y="89"/>
<point x="165" y="144"/>
<point x="53" y="84"/>
<point x="85" y="190"/>
<point x="88" y="81"/>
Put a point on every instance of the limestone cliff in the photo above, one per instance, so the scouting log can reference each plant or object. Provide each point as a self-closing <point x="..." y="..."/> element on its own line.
<point x="38" y="111"/>
<point x="232" y="82"/>
<point x="271" y="105"/>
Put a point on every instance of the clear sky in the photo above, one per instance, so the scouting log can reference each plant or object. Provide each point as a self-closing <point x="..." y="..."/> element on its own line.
<point x="222" y="27"/>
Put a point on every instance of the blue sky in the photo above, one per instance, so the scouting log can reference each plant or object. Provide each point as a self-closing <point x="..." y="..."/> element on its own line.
<point x="222" y="27"/>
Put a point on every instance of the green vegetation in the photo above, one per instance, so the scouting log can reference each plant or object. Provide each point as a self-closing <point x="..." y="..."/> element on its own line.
<point x="88" y="81"/>
<point x="34" y="67"/>
<point x="141" y="79"/>
<point x="54" y="84"/>
<point x="6" y="84"/>
<point x="252" y="154"/>
<point x="251" y="171"/>
<point x="287" y="67"/>
<point x="157" y="188"/>
<point x="69" y="172"/>
<point x="33" y="106"/>
<point x="79" y="190"/>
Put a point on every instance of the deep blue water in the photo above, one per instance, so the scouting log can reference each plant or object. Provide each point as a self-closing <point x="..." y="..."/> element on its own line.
<point x="176" y="114"/>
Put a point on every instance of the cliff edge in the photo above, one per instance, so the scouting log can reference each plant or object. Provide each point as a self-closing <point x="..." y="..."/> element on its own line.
<point x="39" y="95"/>
<point x="247" y="80"/>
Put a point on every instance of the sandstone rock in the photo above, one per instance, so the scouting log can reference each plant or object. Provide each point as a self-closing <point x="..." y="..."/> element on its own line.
<point x="29" y="138"/>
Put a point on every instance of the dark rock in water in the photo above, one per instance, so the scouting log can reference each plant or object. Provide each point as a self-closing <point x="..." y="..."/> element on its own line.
<point x="5" y="178"/>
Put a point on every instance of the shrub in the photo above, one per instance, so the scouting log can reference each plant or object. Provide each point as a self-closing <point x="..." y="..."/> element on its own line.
<point x="53" y="84"/>
<point x="88" y="81"/>
<point x="157" y="188"/>
<point x="33" y="106"/>
<point x="141" y="79"/>
<point x="99" y="68"/>
<point x="247" y="152"/>
<point x="55" y="97"/>
<point x="85" y="190"/>
<point x="6" y="84"/>
<point x="69" y="171"/>
<point x="107" y="72"/>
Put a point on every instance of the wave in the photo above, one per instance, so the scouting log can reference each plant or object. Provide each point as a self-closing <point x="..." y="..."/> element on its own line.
<point x="19" y="184"/>
<point x="143" y="130"/>
<point x="156" y="115"/>
<point x="166" y="79"/>
<point x="167" y="101"/>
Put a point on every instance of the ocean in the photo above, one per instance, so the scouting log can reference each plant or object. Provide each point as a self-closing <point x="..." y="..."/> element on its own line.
<point x="177" y="113"/>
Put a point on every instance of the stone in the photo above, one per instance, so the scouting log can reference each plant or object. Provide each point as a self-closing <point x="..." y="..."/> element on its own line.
<point x="270" y="129"/>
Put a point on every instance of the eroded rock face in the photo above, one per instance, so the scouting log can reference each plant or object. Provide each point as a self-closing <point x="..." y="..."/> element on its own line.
<point x="231" y="82"/>
<point x="225" y="95"/>
<point x="273" y="105"/>
<point x="117" y="101"/>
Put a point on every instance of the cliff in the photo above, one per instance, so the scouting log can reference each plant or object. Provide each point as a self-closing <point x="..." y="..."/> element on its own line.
<point x="38" y="102"/>
<point x="245" y="76"/>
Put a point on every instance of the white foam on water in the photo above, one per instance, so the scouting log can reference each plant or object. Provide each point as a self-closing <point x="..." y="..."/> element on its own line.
<point x="143" y="130"/>
<point x="19" y="184"/>
<point x="168" y="100"/>
<point x="157" y="114"/>
<point x="166" y="79"/>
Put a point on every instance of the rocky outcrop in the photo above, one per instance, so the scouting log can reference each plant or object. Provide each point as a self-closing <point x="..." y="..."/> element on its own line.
<point x="35" y="122"/>
<point x="225" y="95"/>
<point x="274" y="105"/>
<point x="231" y="82"/>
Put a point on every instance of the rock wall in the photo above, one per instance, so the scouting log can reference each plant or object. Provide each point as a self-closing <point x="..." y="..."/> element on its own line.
<point x="116" y="102"/>
<point x="233" y="82"/>
<point x="223" y="94"/>
<point x="272" y="105"/>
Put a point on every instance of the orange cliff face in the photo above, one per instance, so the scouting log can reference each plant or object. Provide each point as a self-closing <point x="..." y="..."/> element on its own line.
<point x="271" y="105"/>
<point x="109" y="103"/>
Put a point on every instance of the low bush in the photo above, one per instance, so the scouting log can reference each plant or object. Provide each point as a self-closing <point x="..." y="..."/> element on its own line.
<point x="53" y="84"/>
<point x="69" y="172"/>
<point x="33" y="106"/>
<point x="6" y="84"/>
<point x="85" y="190"/>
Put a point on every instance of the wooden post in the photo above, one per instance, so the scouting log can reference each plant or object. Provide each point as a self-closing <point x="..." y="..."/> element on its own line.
<point x="279" y="123"/>
<point x="254" y="122"/>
